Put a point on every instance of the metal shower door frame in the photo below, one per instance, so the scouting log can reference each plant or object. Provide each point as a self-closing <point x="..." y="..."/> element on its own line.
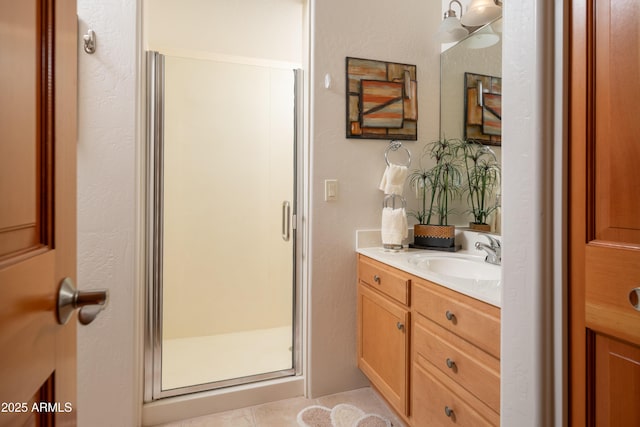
<point x="155" y="77"/>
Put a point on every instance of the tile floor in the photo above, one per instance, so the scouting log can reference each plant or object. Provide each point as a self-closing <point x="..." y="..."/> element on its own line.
<point x="283" y="413"/>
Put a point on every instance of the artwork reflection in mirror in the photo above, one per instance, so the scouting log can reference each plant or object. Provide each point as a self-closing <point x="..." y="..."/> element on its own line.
<point x="483" y="108"/>
<point x="471" y="57"/>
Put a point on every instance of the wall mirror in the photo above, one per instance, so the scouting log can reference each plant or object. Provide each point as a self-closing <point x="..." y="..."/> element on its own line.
<point x="479" y="54"/>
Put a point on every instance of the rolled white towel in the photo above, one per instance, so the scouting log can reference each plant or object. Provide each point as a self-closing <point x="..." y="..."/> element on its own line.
<point x="394" y="226"/>
<point x="497" y="221"/>
<point x="393" y="179"/>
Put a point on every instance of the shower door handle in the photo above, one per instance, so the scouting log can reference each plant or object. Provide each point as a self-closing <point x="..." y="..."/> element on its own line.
<point x="286" y="220"/>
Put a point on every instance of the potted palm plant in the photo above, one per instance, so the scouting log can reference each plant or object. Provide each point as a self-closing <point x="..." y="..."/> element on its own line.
<point x="482" y="177"/>
<point x="437" y="186"/>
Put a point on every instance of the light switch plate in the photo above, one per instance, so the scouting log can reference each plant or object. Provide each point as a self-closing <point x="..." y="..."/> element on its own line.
<point x="330" y="190"/>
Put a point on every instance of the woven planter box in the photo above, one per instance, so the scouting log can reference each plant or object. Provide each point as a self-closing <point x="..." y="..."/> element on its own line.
<point x="434" y="236"/>
<point x="479" y="227"/>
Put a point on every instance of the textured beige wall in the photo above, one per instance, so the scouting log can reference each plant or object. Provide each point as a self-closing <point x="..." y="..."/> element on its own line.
<point x="396" y="32"/>
<point x="107" y="208"/>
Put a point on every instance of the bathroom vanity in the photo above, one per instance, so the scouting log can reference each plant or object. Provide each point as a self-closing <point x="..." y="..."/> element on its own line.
<point x="429" y="339"/>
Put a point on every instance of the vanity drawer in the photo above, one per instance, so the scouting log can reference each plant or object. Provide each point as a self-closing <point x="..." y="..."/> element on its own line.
<point x="384" y="279"/>
<point x="475" y="321"/>
<point x="436" y="404"/>
<point x="464" y="363"/>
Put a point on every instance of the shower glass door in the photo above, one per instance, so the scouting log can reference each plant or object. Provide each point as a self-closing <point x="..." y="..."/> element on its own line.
<point x="223" y="157"/>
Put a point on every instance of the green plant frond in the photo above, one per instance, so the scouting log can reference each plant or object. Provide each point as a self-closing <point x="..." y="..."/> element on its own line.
<point x="482" y="172"/>
<point x="419" y="216"/>
<point x="489" y="164"/>
<point x="417" y="179"/>
<point x="440" y="183"/>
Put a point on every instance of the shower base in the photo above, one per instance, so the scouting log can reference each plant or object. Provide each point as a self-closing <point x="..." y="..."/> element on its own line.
<point x="200" y="360"/>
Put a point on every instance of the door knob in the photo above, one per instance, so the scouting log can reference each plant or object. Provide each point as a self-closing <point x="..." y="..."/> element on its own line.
<point x="90" y="303"/>
<point x="634" y="298"/>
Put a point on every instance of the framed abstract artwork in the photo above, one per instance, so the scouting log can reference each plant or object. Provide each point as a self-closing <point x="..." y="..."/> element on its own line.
<point x="382" y="100"/>
<point x="483" y="108"/>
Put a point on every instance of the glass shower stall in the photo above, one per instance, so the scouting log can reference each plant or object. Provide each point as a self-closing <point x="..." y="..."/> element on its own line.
<point x="222" y="290"/>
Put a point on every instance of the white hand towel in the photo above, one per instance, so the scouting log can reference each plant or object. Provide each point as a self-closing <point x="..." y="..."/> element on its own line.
<point x="393" y="179"/>
<point x="394" y="226"/>
<point x="497" y="221"/>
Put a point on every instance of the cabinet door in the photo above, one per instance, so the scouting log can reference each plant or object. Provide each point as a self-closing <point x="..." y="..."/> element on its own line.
<point x="383" y="346"/>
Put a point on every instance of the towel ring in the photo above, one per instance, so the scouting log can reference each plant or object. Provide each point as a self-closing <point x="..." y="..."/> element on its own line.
<point x="393" y="146"/>
<point x="392" y="198"/>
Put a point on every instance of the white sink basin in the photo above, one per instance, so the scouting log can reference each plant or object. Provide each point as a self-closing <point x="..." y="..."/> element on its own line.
<point x="458" y="267"/>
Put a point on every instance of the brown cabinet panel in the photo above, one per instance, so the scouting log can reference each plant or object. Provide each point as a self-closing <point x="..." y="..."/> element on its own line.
<point x="475" y="321"/>
<point x="385" y="279"/>
<point x="435" y="403"/>
<point x="383" y="346"/>
<point x="472" y="368"/>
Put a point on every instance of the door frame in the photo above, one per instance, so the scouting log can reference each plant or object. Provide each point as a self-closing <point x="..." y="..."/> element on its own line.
<point x="175" y="409"/>
<point x="533" y="364"/>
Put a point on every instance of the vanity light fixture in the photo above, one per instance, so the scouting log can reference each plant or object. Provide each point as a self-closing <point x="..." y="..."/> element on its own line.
<point x="481" y="12"/>
<point x="451" y="30"/>
<point x="485" y="37"/>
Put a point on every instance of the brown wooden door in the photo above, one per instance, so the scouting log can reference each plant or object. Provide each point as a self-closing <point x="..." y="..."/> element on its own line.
<point x="605" y="212"/>
<point x="38" y="59"/>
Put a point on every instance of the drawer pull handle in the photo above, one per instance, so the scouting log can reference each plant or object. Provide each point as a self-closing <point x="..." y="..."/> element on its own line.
<point x="634" y="298"/>
<point x="451" y="364"/>
<point x="448" y="411"/>
<point x="376" y="278"/>
<point x="400" y="326"/>
<point x="450" y="315"/>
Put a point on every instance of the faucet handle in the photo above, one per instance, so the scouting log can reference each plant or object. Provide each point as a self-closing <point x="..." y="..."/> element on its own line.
<point x="495" y="243"/>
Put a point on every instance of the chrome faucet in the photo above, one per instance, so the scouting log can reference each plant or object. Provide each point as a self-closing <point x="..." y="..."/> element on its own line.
<point x="493" y="250"/>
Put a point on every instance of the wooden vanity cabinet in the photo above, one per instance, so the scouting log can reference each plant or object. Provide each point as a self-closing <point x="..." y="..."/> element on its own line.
<point x="455" y="358"/>
<point x="383" y="331"/>
<point x="433" y="353"/>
